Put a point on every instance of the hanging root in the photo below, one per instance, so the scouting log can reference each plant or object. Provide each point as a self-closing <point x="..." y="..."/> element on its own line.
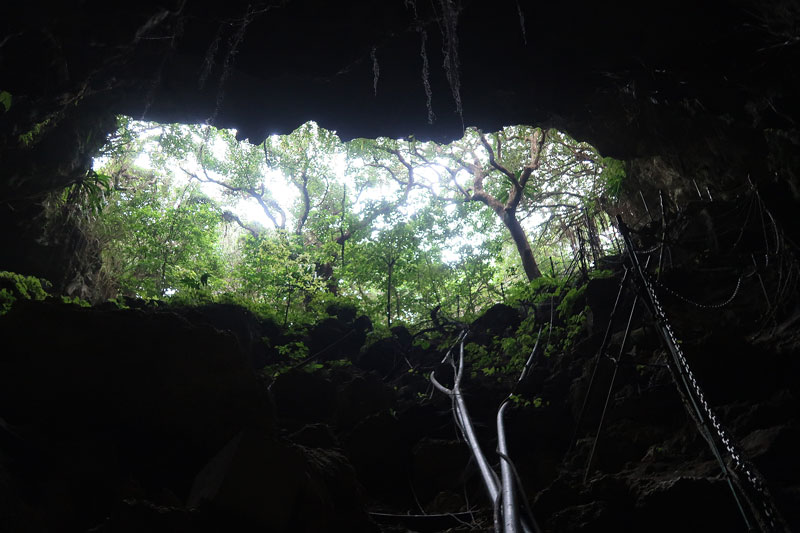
<point x="376" y="70"/>
<point x="177" y="33"/>
<point x="522" y="23"/>
<point x="451" y="63"/>
<point x="426" y="82"/>
<point x="208" y="60"/>
<point x="423" y="53"/>
<point x="227" y="65"/>
<point x="412" y="5"/>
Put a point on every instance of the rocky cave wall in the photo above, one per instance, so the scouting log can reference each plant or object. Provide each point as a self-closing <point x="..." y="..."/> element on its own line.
<point x="146" y="417"/>
<point x="680" y="91"/>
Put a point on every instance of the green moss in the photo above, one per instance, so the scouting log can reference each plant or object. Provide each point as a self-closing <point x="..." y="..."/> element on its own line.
<point x="74" y="300"/>
<point x="31" y="136"/>
<point x="566" y="307"/>
<point x="537" y="291"/>
<point x="574" y="329"/>
<point x="5" y="100"/>
<point x="119" y="301"/>
<point x="15" y="287"/>
<point x="295" y="351"/>
<point x="6" y="301"/>
<point x="601" y="274"/>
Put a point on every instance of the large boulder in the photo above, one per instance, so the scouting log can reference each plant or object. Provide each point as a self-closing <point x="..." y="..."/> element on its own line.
<point x="105" y="398"/>
<point x="383" y="356"/>
<point x="257" y="337"/>
<point x="339" y="337"/>
<point x="498" y="321"/>
<point x="303" y="397"/>
<point x="361" y="397"/>
<point x="381" y="454"/>
<point x="438" y="465"/>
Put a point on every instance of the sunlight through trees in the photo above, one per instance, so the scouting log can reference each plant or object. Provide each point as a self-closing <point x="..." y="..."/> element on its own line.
<point x="397" y="226"/>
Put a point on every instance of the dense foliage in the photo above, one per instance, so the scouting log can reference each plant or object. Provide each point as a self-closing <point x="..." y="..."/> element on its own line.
<point x="397" y="227"/>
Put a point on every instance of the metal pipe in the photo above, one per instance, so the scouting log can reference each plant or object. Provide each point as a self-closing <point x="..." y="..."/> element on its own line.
<point x="510" y="513"/>
<point x="600" y="352"/>
<point x="610" y="389"/>
<point x="663" y="233"/>
<point x="499" y="490"/>
<point x="465" y="424"/>
<point x="696" y="188"/>
<point x="529" y="362"/>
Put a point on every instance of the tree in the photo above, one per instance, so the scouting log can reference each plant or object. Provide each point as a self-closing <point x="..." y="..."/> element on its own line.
<point x="160" y="239"/>
<point x="516" y="169"/>
<point x="274" y="272"/>
<point x="392" y="250"/>
<point x="319" y="168"/>
<point x="515" y="188"/>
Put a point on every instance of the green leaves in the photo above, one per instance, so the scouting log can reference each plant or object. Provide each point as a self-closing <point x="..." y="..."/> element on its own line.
<point x="613" y="176"/>
<point x="390" y="224"/>
<point x="5" y="100"/>
<point x="89" y="192"/>
<point x="161" y="241"/>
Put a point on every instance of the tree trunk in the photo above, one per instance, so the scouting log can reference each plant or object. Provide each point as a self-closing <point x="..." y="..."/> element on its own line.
<point x="390" y="268"/>
<point x="508" y="214"/>
<point x="397" y="302"/>
<point x="523" y="247"/>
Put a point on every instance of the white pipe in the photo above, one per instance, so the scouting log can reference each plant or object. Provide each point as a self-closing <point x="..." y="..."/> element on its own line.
<point x="510" y="514"/>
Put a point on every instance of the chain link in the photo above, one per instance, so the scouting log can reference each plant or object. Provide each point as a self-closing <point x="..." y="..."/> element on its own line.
<point x="740" y="463"/>
<point x="650" y="250"/>
<point x="697" y="304"/>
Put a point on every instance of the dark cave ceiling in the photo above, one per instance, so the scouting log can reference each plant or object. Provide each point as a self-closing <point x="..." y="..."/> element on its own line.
<point x="291" y="61"/>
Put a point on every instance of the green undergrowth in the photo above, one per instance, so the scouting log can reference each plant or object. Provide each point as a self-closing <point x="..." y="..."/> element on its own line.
<point x="316" y="306"/>
<point x="18" y="287"/>
<point x="295" y="353"/>
<point x="554" y="313"/>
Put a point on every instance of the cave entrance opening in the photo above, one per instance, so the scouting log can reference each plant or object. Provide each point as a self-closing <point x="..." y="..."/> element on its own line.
<point x="398" y="226"/>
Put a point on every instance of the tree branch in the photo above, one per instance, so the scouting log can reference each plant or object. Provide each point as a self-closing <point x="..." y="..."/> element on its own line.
<point x="387" y="207"/>
<point x="537" y="142"/>
<point x="266" y="205"/>
<point x="229" y="216"/>
<point x="303" y="187"/>
<point x="497" y="166"/>
<point x="480" y="194"/>
<point x="453" y="173"/>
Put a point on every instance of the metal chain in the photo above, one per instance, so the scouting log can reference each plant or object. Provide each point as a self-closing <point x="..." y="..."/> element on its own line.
<point x="697" y="304"/>
<point x="650" y="250"/>
<point x="740" y="463"/>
